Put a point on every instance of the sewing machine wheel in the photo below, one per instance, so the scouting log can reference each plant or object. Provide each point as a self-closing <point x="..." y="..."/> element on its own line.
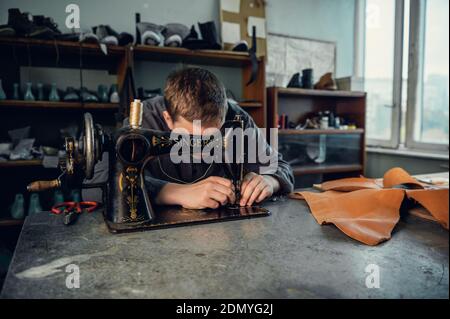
<point x="89" y="148"/>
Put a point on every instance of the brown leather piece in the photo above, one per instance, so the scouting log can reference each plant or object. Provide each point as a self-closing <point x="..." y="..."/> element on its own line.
<point x="350" y="184"/>
<point x="399" y="177"/>
<point x="367" y="215"/>
<point x="436" y="201"/>
<point x="368" y="209"/>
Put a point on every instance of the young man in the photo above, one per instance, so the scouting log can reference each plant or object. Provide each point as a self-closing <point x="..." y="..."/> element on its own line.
<point x="196" y="94"/>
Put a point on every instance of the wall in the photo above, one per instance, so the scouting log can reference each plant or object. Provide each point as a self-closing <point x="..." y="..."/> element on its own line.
<point x="377" y="164"/>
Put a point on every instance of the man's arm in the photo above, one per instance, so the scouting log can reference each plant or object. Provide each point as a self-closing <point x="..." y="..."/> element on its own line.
<point x="265" y="179"/>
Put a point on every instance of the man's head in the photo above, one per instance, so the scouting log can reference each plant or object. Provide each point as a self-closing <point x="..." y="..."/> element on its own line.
<point x="194" y="94"/>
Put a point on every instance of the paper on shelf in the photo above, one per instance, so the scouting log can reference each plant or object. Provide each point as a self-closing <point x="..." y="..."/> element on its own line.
<point x="230" y="5"/>
<point x="231" y="32"/>
<point x="260" y="24"/>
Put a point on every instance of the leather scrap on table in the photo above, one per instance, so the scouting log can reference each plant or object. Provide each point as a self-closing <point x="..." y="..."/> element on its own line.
<point x="368" y="209"/>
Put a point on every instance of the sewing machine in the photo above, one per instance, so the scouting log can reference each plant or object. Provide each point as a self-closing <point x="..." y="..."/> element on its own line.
<point x="128" y="204"/>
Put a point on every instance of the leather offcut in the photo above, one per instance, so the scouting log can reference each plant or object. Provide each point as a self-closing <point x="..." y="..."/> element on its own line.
<point x="368" y="215"/>
<point x="368" y="209"/>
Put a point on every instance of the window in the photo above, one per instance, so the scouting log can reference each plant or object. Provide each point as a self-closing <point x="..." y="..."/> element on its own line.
<point x="406" y="73"/>
<point x="429" y="79"/>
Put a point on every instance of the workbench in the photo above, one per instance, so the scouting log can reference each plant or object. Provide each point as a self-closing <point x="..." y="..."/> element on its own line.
<point x="285" y="255"/>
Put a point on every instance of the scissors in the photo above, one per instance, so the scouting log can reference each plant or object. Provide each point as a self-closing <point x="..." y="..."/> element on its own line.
<point x="72" y="209"/>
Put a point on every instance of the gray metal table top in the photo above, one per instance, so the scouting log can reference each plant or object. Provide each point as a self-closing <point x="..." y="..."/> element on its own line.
<point x="286" y="255"/>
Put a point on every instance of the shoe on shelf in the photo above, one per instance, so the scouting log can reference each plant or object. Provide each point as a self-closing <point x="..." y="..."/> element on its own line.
<point x="48" y="22"/>
<point x="88" y="37"/>
<point x="87" y="96"/>
<point x="7" y="31"/>
<point x="295" y="82"/>
<point x="240" y="46"/>
<point x="106" y="34"/>
<point x="25" y="27"/>
<point x="151" y="33"/>
<point x="174" y="34"/>
<point x="71" y="95"/>
<point x="125" y="38"/>
<point x="326" y="82"/>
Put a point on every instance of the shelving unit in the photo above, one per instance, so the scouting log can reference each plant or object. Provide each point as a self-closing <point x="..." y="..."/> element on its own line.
<point x="301" y="104"/>
<point x="46" y="118"/>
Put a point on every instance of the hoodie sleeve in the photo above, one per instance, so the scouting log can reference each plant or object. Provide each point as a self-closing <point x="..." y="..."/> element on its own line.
<point x="268" y="160"/>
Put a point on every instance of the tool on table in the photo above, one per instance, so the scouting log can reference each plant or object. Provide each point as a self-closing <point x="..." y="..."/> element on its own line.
<point x="71" y="210"/>
<point x="128" y="205"/>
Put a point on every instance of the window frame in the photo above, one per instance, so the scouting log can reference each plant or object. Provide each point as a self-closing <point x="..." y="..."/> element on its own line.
<point x="415" y="77"/>
<point x="395" y="108"/>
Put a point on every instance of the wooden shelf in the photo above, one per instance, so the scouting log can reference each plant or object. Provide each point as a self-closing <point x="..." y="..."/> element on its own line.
<point x="206" y="57"/>
<point x="64" y="46"/>
<point x="58" y="105"/>
<point x="323" y="93"/>
<point x="4" y="222"/>
<point x="324" y="169"/>
<point x="318" y="131"/>
<point x="18" y="163"/>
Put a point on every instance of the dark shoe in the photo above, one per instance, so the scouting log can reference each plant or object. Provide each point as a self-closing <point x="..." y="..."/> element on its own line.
<point x="7" y="31"/>
<point x="88" y="37"/>
<point x="125" y="38"/>
<point x="48" y="22"/>
<point x="106" y="35"/>
<point x="24" y="27"/>
<point x="241" y="46"/>
<point x="209" y="39"/>
<point x="295" y="81"/>
<point x="87" y="96"/>
<point x="71" y="95"/>
<point x="307" y="78"/>
<point x="209" y="34"/>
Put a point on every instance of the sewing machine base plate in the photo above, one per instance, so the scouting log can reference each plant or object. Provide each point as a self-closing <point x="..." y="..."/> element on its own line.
<point x="177" y="216"/>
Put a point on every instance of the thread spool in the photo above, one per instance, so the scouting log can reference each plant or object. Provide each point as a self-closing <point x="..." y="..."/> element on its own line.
<point x="136" y="113"/>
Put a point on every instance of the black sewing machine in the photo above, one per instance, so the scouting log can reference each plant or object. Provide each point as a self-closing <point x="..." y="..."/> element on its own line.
<point x="128" y="205"/>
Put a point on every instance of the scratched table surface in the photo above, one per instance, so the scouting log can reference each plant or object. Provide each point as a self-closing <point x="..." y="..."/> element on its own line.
<point x="285" y="255"/>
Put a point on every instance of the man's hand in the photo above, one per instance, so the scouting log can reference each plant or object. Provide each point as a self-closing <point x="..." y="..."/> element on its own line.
<point x="208" y="193"/>
<point x="257" y="188"/>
